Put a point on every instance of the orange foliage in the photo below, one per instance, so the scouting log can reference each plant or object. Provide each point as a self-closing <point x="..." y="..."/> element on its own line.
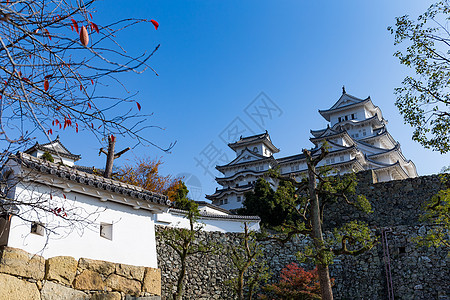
<point x="145" y="174"/>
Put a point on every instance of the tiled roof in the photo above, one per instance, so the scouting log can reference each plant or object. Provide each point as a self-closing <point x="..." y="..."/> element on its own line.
<point x="99" y="182"/>
<point x="54" y="147"/>
<point x="263" y="137"/>
<point x="213" y="216"/>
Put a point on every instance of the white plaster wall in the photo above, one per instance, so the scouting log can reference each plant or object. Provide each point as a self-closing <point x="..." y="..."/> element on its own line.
<point x="209" y="224"/>
<point x="210" y="210"/>
<point x="133" y="240"/>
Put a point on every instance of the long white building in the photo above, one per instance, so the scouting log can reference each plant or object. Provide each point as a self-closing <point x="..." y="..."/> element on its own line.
<point x="356" y="134"/>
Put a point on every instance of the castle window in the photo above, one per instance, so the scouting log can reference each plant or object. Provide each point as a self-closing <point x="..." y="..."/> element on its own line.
<point x="106" y="230"/>
<point x="37" y="228"/>
<point x="221" y="202"/>
<point x="328" y="161"/>
<point x="341" y="158"/>
<point x="356" y="135"/>
<point x="346" y="118"/>
<point x="297" y="167"/>
<point x="339" y="119"/>
<point x="332" y="160"/>
<point x="238" y="198"/>
<point x="353" y="116"/>
<point x="255" y="149"/>
<point x="226" y="201"/>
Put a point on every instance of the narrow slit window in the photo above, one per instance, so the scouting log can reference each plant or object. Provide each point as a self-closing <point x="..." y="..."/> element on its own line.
<point x="37" y="228"/>
<point x="106" y="230"/>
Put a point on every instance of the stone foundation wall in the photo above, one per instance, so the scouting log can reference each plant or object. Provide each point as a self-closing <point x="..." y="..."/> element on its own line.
<point x="27" y="276"/>
<point x="417" y="272"/>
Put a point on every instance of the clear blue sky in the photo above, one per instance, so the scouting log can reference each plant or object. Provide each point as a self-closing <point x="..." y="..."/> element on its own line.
<point x="216" y="57"/>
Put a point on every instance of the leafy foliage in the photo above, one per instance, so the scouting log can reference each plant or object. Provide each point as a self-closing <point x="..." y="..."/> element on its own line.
<point x="424" y="100"/>
<point x="47" y="156"/>
<point x="295" y="283"/>
<point x="251" y="270"/>
<point x="273" y="210"/>
<point x="145" y="173"/>
<point x="437" y="213"/>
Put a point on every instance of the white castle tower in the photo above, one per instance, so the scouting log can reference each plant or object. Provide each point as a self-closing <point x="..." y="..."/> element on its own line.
<point x="357" y="138"/>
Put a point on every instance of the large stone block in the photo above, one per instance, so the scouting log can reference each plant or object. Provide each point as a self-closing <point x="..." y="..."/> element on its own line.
<point x="107" y="296"/>
<point x="122" y="284"/>
<point x="152" y="281"/>
<point x="99" y="266"/>
<point x="130" y="272"/>
<point x="89" y="280"/>
<point x="62" y="269"/>
<point x="12" y="288"/>
<point x="18" y="262"/>
<point x="54" y="291"/>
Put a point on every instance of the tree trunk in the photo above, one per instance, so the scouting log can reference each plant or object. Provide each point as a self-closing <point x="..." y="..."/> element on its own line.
<point x="110" y="156"/>
<point x="324" y="275"/>
<point x="241" y="285"/>
<point x="180" y="283"/>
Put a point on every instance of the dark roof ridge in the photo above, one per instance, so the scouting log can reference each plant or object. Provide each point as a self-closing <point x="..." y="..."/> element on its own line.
<point x="81" y="177"/>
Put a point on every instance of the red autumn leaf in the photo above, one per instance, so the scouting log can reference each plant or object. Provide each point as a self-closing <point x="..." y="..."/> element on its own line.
<point x="51" y="197"/>
<point x="53" y="123"/>
<point x="156" y="24"/>
<point x="89" y="105"/>
<point x="56" y="121"/>
<point x="48" y="34"/>
<point x="92" y="125"/>
<point x="59" y="125"/>
<point x="76" y="129"/>
<point x="71" y="27"/>
<point x="94" y="27"/>
<point x="90" y="15"/>
<point x="58" y="108"/>
<point x="138" y="105"/>
<point x="50" y="131"/>
<point x="25" y="79"/>
<point x="64" y="196"/>
<point x="84" y="36"/>
<point x="81" y="87"/>
<point x="112" y="138"/>
<point x="29" y="56"/>
<point x="92" y="81"/>
<point x="46" y="85"/>
<point x="99" y="126"/>
<point x="75" y="24"/>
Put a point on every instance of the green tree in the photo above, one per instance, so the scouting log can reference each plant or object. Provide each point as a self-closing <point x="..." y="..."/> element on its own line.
<point x="246" y="258"/>
<point x="273" y="211"/>
<point x="185" y="242"/>
<point x="437" y="214"/>
<point x="424" y="99"/>
<point x="306" y="212"/>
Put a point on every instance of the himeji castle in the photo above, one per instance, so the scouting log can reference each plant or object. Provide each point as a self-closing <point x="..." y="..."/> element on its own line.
<point x="357" y="138"/>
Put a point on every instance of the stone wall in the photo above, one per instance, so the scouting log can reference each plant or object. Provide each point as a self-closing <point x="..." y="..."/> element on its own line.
<point x="416" y="272"/>
<point x="27" y="276"/>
